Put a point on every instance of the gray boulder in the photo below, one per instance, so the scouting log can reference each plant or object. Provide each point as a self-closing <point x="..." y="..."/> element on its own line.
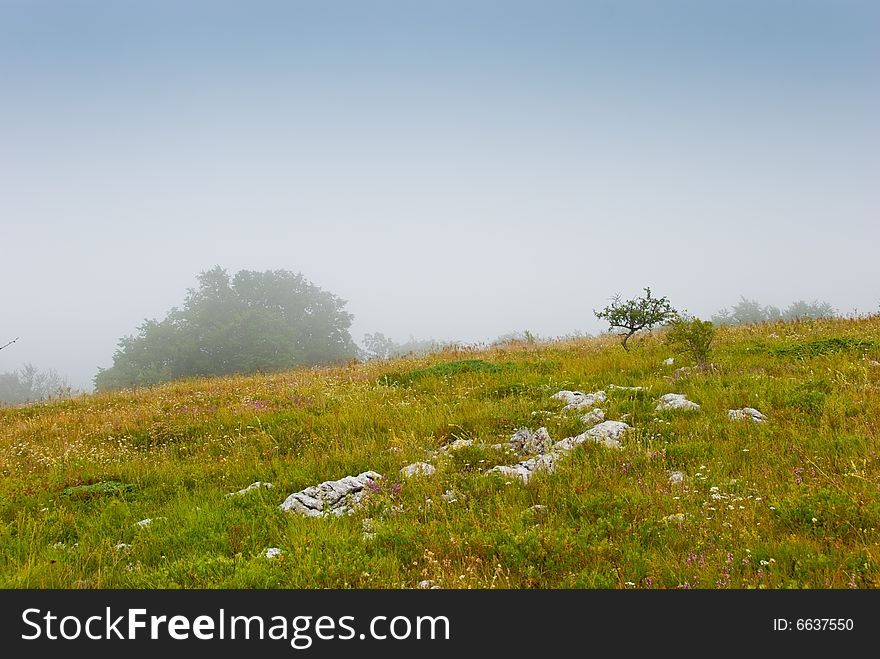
<point x="530" y="443"/>
<point x="607" y="433"/>
<point x="331" y="497"/>
<point x="593" y="417"/>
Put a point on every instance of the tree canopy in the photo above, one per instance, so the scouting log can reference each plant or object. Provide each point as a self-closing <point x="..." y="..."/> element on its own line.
<point x="252" y="322"/>
<point x="751" y="311"/>
<point x="634" y="315"/>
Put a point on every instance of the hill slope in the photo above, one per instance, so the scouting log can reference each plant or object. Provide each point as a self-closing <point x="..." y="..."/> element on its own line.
<point x="690" y="499"/>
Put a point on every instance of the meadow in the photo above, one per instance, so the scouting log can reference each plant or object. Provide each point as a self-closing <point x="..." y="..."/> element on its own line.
<point x="790" y="503"/>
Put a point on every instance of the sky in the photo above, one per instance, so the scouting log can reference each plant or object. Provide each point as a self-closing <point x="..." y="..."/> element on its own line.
<point x="455" y="170"/>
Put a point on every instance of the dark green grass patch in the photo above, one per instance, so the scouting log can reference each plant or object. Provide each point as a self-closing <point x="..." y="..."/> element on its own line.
<point x="446" y="370"/>
<point x="101" y="489"/>
<point x="820" y="347"/>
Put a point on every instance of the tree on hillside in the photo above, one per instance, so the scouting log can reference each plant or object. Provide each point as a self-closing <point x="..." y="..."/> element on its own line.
<point x="747" y="312"/>
<point x="815" y="309"/>
<point x="29" y="384"/>
<point x="378" y="346"/>
<point x="635" y="315"/>
<point x="253" y="322"/>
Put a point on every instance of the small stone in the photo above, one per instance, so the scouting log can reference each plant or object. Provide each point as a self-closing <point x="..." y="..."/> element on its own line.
<point x="272" y="552"/>
<point x="449" y="496"/>
<point x="256" y="485"/>
<point x="427" y="584"/>
<point x="746" y="413"/>
<point x="676" y="477"/>
<point x="123" y="546"/>
<point x="459" y="444"/>
<point x="593" y="417"/>
<point x="418" y="469"/>
<point x="676" y="402"/>
<point x="669" y="361"/>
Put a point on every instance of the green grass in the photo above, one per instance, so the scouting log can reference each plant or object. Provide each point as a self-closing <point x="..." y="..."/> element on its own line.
<point x="792" y="503"/>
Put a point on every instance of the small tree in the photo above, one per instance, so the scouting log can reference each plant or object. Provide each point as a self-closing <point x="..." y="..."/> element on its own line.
<point x="691" y="336"/>
<point x="637" y="314"/>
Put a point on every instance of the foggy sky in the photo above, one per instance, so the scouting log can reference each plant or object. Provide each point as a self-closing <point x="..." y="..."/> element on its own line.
<point x="455" y="170"/>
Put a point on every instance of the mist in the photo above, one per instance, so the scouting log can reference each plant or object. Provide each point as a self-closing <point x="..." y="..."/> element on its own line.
<point x="455" y="171"/>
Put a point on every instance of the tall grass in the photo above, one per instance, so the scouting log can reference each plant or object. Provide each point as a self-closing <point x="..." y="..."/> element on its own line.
<point x="790" y="503"/>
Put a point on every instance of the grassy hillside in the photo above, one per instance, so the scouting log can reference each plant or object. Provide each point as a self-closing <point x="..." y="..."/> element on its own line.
<point x="789" y="503"/>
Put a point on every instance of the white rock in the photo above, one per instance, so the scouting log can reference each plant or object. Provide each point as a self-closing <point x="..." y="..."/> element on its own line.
<point x="607" y="433"/>
<point x="256" y="485"/>
<point x="527" y="468"/>
<point x="272" y="552"/>
<point x="427" y="584"/>
<point x="458" y="444"/>
<point x="449" y="496"/>
<point x="526" y="442"/>
<point x="669" y="361"/>
<point x="676" y="477"/>
<point x="123" y="546"/>
<point x="746" y="413"/>
<point x="593" y="417"/>
<point x="331" y="497"/>
<point x="676" y="402"/>
<point x="617" y="386"/>
<point x="576" y="400"/>
<point x="149" y="520"/>
<point x="418" y="469"/>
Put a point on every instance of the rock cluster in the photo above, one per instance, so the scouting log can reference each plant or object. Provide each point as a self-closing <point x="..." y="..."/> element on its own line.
<point x="607" y="433"/>
<point x="331" y="497"/>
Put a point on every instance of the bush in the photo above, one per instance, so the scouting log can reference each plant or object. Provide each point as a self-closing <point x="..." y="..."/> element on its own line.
<point x="691" y="336"/>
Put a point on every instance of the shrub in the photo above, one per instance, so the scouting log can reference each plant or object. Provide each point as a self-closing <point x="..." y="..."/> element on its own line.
<point x="691" y="336"/>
